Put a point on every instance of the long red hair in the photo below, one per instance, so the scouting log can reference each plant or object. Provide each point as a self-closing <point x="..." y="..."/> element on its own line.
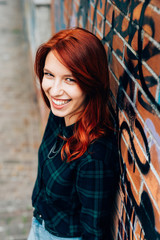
<point x="84" y="55"/>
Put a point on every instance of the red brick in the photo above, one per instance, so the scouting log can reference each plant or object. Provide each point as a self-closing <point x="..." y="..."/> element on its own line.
<point x="94" y="1"/>
<point x="113" y="85"/>
<point x="66" y="18"/>
<point x="156" y="216"/>
<point x="100" y="23"/>
<point x="122" y="7"/>
<point x="133" y="175"/>
<point x="136" y="12"/>
<point x="125" y="29"/>
<point x="155" y="157"/>
<point x="146" y="114"/>
<point x="134" y="42"/>
<point x="153" y="184"/>
<point x="117" y="45"/>
<point x="89" y="25"/>
<point x="142" y="100"/>
<point x="154" y="59"/>
<point x="150" y="22"/>
<point x="76" y="7"/>
<point x="120" y="197"/>
<point x="77" y="2"/>
<point x="101" y="8"/>
<point x="107" y="29"/>
<point x="66" y="4"/>
<point x="116" y="67"/>
<point x="152" y="30"/>
<point x="92" y="12"/>
<point x="155" y="3"/>
<point x="151" y="56"/>
<point x="52" y="17"/>
<point x="130" y="60"/>
<point x="146" y="74"/>
<point x="113" y="103"/>
<point x="109" y="14"/>
<point x="69" y="10"/>
<point x="80" y="24"/>
<point x="153" y="148"/>
<point x="97" y="34"/>
<point x="106" y="48"/>
<point x="156" y="213"/>
<point x="138" y="232"/>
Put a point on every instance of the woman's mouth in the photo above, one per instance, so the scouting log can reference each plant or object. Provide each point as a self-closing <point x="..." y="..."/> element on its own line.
<point x="60" y="102"/>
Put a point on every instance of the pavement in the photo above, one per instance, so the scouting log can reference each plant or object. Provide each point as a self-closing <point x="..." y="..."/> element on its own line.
<point x="20" y="128"/>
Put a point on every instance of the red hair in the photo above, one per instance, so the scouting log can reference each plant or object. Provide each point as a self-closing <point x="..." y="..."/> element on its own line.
<point x="84" y="55"/>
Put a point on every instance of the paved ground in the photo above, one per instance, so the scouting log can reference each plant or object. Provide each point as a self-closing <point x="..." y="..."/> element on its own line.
<point x="19" y="125"/>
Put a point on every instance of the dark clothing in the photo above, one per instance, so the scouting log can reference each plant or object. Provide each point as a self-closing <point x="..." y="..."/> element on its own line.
<point x="75" y="198"/>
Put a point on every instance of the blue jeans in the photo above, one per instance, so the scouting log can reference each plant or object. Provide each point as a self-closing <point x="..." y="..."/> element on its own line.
<point x="38" y="232"/>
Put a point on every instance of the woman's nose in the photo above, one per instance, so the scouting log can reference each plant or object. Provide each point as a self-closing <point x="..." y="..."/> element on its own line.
<point x="56" y="88"/>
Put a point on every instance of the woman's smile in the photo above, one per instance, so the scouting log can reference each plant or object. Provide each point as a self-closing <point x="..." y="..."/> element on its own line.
<point x="59" y="102"/>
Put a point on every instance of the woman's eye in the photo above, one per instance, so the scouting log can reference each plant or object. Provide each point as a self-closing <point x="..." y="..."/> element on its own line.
<point x="48" y="74"/>
<point x="70" y="80"/>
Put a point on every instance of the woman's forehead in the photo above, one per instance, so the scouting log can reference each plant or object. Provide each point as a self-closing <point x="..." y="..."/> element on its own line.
<point x="53" y="63"/>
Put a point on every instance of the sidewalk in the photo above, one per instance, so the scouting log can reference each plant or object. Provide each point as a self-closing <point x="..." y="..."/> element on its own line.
<point x="19" y="125"/>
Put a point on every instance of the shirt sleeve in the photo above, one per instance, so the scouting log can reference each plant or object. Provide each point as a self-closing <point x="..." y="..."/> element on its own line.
<point x="95" y="187"/>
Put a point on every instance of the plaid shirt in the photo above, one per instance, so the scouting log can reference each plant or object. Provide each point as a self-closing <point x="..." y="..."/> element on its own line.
<point x="74" y="199"/>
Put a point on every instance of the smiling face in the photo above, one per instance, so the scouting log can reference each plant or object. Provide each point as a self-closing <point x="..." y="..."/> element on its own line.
<point x="62" y="90"/>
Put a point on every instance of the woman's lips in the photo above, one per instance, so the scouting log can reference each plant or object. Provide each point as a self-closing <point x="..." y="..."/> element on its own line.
<point x="59" y="103"/>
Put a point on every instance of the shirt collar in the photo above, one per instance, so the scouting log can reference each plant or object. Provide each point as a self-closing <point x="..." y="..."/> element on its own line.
<point x="65" y="131"/>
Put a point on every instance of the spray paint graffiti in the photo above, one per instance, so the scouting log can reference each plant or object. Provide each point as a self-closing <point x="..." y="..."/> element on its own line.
<point x="146" y="219"/>
<point x="143" y="54"/>
<point x="144" y="211"/>
<point x="83" y="11"/>
<point x="156" y="136"/>
<point x="59" y="15"/>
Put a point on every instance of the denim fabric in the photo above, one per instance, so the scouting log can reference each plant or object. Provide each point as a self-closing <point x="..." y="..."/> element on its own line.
<point x="38" y="232"/>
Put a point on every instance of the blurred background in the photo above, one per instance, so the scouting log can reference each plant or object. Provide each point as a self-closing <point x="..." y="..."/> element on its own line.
<point x="130" y="33"/>
<point x="20" y="120"/>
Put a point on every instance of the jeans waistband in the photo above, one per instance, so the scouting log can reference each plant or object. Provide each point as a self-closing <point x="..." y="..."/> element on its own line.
<point x="38" y="216"/>
<point x="44" y="234"/>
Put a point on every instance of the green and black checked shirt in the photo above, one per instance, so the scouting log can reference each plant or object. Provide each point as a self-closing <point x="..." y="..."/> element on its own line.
<point x="74" y="199"/>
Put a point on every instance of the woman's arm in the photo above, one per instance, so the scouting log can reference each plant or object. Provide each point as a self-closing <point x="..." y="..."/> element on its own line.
<point x="95" y="186"/>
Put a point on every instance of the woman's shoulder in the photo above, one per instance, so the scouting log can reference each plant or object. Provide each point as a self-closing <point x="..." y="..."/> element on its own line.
<point x="105" y="149"/>
<point x="109" y="141"/>
<point x="52" y="126"/>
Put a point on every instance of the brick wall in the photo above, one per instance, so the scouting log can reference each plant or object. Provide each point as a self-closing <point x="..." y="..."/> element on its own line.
<point x="130" y="32"/>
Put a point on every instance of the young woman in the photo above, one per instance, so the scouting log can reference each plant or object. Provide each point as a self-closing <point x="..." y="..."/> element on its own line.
<point x="77" y="169"/>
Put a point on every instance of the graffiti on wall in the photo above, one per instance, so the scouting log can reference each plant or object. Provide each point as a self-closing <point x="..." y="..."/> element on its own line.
<point x="143" y="209"/>
<point x="139" y="134"/>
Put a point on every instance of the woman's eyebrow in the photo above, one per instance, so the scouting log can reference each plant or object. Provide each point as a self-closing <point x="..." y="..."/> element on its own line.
<point x="45" y="69"/>
<point x="68" y="75"/>
<point x="65" y="75"/>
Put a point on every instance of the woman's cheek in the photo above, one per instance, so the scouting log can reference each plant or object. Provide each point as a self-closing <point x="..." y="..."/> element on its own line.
<point x="44" y="85"/>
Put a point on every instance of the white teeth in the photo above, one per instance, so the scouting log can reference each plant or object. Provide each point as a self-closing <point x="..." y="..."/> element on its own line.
<point x="60" y="102"/>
